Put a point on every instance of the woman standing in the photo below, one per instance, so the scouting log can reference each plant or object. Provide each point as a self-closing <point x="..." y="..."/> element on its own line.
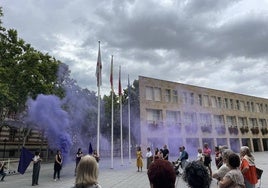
<point x="234" y="177"/>
<point x="149" y="156"/>
<point x="57" y="165"/>
<point x="79" y="154"/>
<point x="248" y="167"/>
<point x="139" y="158"/>
<point x="36" y="168"/>
<point x="207" y="158"/>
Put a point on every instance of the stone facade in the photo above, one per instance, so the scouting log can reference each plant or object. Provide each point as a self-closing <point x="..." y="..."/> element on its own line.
<point x="178" y="114"/>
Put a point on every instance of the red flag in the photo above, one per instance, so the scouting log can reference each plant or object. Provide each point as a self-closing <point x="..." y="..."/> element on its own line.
<point x="111" y="75"/>
<point x="98" y="68"/>
<point x="119" y="83"/>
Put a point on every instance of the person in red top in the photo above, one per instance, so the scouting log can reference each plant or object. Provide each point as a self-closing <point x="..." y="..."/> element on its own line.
<point x="248" y="167"/>
<point x="207" y="159"/>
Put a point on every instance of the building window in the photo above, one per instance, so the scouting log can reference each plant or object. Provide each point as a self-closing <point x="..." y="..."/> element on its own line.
<point x="231" y="121"/>
<point x="237" y="104"/>
<point x="205" y="119"/>
<point x="189" y="118"/>
<point x="200" y="100"/>
<point x="154" y="116"/>
<point x="248" y="106"/>
<point x="261" y="108"/>
<point x="157" y="94"/>
<point x="172" y="118"/>
<point x="219" y="102"/>
<point x="175" y="96"/>
<point x="184" y="97"/>
<point x="253" y="122"/>
<point x="149" y="93"/>
<point x="192" y="98"/>
<point x="213" y="102"/>
<point x="168" y="95"/>
<point x="263" y="123"/>
<point x="153" y="94"/>
<point x="252" y="107"/>
<point x="242" y="121"/>
<point x="266" y="108"/>
<point x="206" y="101"/>
<point x="231" y="104"/>
<point x="219" y="120"/>
<point x="257" y="107"/>
<point x="242" y="106"/>
<point x="226" y="103"/>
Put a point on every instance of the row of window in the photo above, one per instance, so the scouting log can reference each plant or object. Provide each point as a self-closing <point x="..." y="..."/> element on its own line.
<point x="172" y="96"/>
<point x="156" y="115"/>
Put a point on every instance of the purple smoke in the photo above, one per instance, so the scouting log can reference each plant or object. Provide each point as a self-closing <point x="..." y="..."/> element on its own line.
<point x="46" y="113"/>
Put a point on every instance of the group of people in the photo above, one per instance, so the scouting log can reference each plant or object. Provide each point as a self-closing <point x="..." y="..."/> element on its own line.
<point x="162" y="153"/>
<point x="236" y="170"/>
<point x="233" y="170"/>
<point x="37" y="165"/>
<point x="86" y="169"/>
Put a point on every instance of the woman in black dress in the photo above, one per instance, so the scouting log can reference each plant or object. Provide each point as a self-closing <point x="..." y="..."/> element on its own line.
<point x="57" y="165"/>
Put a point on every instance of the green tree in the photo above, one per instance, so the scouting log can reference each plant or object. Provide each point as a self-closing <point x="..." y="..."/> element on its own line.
<point x="24" y="72"/>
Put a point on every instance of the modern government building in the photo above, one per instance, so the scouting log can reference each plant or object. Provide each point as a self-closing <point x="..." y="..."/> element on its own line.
<point x="184" y="115"/>
<point x="177" y="115"/>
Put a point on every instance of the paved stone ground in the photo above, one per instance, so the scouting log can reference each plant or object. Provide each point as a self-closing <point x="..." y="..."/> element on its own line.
<point x="121" y="176"/>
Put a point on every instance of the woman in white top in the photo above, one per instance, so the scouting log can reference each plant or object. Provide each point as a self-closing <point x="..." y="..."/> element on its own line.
<point x="149" y="156"/>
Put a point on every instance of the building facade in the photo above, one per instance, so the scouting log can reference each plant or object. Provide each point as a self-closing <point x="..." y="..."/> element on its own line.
<point x="184" y="115"/>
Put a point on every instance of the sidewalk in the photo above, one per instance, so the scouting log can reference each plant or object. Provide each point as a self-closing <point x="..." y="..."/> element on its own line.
<point x="121" y="176"/>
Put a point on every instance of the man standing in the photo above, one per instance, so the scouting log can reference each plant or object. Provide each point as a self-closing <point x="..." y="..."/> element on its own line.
<point x="183" y="156"/>
<point x="165" y="153"/>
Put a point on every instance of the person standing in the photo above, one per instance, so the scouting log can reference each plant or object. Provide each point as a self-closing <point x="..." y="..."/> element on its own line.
<point x="248" y="167"/>
<point x="96" y="156"/>
<point x="165" y="152"/>
<point x="79" y="154"/>
<point x="87" y="173"/>
<point x="149" y="157"/>
<point x="36" y="168"/>
<point x="220" y="173"/>
<point x="234" y="177"/>
<point x="139" y="159"/>
<point x="57" y="165"/>
<point x="207" y="158"/>
<point x="200" y="156"/>
<point x="2" y="170"/>
<point x="183" y="157"/>
<point x="218" y="157"/>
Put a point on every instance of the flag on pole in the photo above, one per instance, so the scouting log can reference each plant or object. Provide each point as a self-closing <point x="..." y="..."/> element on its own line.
<point x="119" y="83"/>
<point x="90" y="150"/>
<point x="98" y="68"/>
<point x="25" y="159"/>
<point x="111" y="75"/>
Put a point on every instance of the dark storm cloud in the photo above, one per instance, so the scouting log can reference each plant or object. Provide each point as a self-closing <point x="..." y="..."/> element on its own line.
<point x="211" y="43"/>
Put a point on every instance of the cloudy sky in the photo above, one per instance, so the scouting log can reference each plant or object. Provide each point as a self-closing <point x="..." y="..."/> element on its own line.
<point x="219" y="44"/>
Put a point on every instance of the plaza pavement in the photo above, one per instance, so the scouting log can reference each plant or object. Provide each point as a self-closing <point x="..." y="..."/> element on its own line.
<point x="121" y="176"/>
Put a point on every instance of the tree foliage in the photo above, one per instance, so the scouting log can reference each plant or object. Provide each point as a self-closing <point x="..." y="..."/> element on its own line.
<point x="24" y="72"/>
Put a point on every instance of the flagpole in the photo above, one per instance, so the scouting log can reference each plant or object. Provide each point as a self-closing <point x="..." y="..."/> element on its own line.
<point x="98" y="83"/>
<point x="129" y="144"/>
<point x="112" y="116"/>
<point x="121" y="128"/>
